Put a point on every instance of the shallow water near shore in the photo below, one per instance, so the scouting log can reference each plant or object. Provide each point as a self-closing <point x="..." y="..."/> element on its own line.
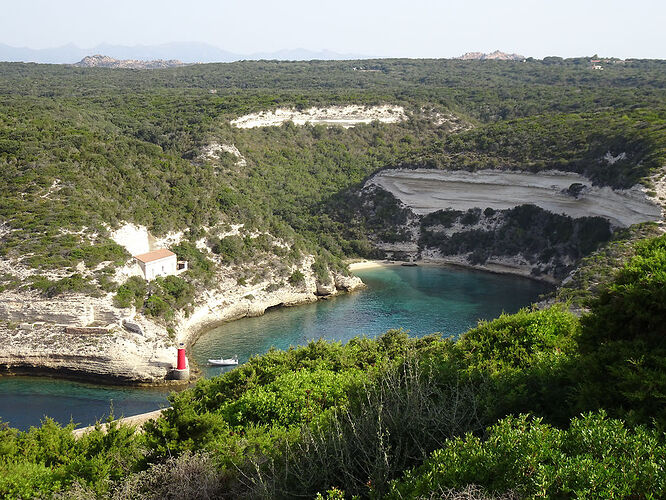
<point x="422" y="300"/>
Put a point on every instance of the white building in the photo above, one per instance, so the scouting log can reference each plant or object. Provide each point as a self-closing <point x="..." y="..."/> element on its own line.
<point x="160" y="262"/>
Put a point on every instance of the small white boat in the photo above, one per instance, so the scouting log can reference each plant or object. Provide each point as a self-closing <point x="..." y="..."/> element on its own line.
<point x="224" y="362"/>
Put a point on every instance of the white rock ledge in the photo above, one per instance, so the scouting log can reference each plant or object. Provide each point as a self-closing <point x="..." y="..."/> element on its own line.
<point x="427" y="190"/>
<point x="38" y="338"/>
<point x="345" y="116"/>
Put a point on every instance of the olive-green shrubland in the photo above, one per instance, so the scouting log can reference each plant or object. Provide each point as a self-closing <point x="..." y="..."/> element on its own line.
<point x="542" y="403"/>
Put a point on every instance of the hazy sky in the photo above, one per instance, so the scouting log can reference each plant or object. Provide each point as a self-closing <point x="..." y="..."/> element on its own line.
<point x="409" y="28"/>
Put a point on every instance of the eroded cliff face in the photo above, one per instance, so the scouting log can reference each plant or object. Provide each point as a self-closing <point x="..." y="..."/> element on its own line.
<point x="537" y="225"/>
<point x="231" y="301"/>
<point x="73" y="309"/>
<point x="110" y="355"/>
<point x="426" y="190"/>
<point x="345" y="116"/>
<point x="89" y="338"/>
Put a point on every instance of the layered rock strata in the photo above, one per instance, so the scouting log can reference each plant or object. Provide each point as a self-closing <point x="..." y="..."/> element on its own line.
<point x="55" y="336"/>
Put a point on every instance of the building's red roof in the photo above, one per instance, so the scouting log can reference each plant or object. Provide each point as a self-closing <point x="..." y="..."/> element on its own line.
<point x="162" y="253"/>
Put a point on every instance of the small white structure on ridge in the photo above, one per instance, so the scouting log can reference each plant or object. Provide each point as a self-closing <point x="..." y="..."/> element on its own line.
<point x="161" y="262"/>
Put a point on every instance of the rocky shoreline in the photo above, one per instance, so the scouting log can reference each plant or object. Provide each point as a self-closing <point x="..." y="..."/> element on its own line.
<point x="52" y="337"/>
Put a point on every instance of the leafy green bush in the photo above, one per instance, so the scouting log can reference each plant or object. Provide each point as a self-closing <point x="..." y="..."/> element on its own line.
<point x="623" y="367"/>
<point x="633" y="306"/>
<point x="73" y="283"/>
<point x="390" y="423"/>
<point x="515" y="341"/>
<point x="93" y="254"/>
<point x="321" y="270"/>
<point x="158" y="307"/>
<point x="199" y="266"/>
<point x="597" y="270"/>
<point x="529" y="360"/>
<point x="202" y="413"/>
<point x="596" y="457"/>
<point x="131" y="293"/>
<point x="176" y="291"/>
<point x="296" y="278"/>
<point x="45" y="460"/>
<point x="230" y="248"/>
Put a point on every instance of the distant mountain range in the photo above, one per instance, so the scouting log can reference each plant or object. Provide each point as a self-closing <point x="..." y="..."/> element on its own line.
<point x="497" y="55"/>
<point x="185" y="52"/>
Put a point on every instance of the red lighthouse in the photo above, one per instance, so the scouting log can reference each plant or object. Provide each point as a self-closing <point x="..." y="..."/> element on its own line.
<point x="182" y="360"/>
<point x="182" y="369"/>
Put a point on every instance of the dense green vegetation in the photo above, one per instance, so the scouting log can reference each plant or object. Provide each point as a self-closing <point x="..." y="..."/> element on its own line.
<point x="552" y="240"/>
<point x="537" y="403"/>
<point x="540" y="403"/>
<point x="87" y="148"/>
<point x="598" y="268"/>
<point x="595" y="458"/>
<point x="580" y="143"/>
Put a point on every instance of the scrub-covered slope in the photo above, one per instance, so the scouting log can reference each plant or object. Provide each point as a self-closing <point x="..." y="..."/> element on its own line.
<point x="269" y="213"/>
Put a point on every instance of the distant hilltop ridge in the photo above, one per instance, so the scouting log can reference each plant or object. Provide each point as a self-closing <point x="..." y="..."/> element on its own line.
<point x="497" y="55"/>
<point x="100" y="61"/>
<point x="187" y="52"/>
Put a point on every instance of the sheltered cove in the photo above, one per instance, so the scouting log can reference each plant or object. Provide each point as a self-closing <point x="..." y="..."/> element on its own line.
<point x="43" y="344"/>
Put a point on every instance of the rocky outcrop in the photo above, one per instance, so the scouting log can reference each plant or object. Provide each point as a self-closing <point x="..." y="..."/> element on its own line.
<point x="347" y="283"/>
<point x="117" y="356"/>
<point x="72" y="309"/>
<point x="497" y="56"/>
<point x="345" y="116"/>
<point x="212" y="152"/>
<point x="428" y="190"/>
<point x="538" y="225"/>
<point x="88" y="338"/>
<point x="100" y="61"/>
<point x="326" y="288"/>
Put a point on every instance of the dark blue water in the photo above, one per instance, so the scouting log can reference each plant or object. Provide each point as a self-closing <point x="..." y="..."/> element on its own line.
<point x="419" y="299"/>
<point x="25" y="401"/>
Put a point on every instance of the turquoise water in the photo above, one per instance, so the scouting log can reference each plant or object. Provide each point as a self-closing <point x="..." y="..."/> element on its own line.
<point x="421" y="299"/>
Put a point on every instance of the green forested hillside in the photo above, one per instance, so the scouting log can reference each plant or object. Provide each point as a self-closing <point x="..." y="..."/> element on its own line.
<point x="125" y="145"/>
<point x="542" y="403"/>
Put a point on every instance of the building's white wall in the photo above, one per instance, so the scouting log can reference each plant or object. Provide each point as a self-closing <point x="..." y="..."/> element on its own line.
<point x="162" y="267"/>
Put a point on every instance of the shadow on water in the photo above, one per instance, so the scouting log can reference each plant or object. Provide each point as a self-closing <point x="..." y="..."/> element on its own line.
<point x="25" y="401"/>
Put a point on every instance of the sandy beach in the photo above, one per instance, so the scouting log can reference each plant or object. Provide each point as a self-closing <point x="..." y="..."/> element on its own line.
<point x="369" y="264"/>
<point x="495" y="266"/>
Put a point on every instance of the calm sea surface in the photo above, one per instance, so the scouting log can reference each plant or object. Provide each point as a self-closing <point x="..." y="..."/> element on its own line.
<point x="422" y="300"/>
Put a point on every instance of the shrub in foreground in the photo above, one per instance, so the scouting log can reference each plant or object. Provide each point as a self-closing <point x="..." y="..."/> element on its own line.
<point x="596" y="457"/>
<point x="389" y="424"/>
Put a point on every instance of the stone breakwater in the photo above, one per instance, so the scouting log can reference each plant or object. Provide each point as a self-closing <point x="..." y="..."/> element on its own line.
<point x="55" y="337"/>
